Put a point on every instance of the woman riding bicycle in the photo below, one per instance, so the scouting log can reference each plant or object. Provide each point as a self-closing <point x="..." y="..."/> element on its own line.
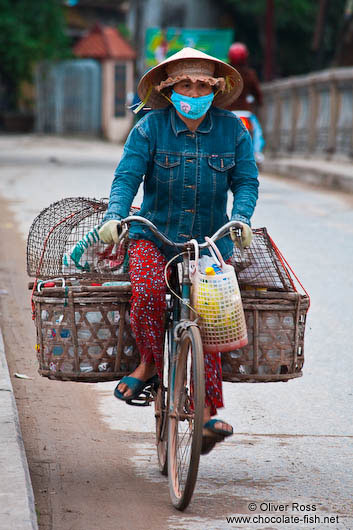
<point x="188" y="152"/>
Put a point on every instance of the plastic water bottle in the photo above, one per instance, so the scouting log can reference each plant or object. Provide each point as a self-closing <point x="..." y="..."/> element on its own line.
<point x="104" y="367"/>
<point x="209" y="271"/>
<point x="86" y="367"/>
<point x="217" y="269"/>
<point x="93" y="316"/>
<point x="111" y="351"/>
<point x="58" y="350"/>
<point x="83" y="333"/>
<point x="213" y="270"/>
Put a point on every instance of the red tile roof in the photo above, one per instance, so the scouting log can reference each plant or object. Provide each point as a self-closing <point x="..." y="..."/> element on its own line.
<point x="104" y="42"/>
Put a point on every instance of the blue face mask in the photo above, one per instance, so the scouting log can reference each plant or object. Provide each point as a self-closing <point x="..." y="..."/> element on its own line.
<point x="192" y="108"/>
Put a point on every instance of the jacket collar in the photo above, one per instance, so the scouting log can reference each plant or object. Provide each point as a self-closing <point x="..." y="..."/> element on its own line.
<point x="179" y="126"/>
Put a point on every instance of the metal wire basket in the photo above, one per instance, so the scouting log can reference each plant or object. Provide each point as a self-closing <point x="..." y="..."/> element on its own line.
<point x="262" y="265"/>
<point x="60" y="228"/>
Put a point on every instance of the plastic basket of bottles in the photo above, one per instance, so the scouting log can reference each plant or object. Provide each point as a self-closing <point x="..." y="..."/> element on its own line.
<point x="83" y="330"/>
<point x="275" y="324"/>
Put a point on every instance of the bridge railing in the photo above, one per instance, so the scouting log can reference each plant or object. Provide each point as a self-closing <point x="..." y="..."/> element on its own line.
<point x="310" y="115"/>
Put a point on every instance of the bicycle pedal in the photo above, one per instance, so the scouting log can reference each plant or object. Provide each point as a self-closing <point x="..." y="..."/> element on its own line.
<point x="143" y="400"/>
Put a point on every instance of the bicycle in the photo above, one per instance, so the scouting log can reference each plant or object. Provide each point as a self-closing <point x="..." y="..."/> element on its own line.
<point x="180" y="397"/>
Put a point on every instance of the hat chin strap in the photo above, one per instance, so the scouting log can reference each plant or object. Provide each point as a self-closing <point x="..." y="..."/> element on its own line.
<point x="143" y="103"/>
<point x="166" y="97"/>
<point x="230" y="83"/>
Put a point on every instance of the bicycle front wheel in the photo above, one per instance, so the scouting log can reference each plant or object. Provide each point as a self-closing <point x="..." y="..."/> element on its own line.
<point x="187" y="395"/>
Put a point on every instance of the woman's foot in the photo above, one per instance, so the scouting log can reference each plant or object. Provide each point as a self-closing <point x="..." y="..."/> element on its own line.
<point x="219" y="424"/>
<point x="213" y="432"/>
<point x="143" y="372"/>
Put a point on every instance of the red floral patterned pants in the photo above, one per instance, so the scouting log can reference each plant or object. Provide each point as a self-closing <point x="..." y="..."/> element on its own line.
<point x="148" y="307"/>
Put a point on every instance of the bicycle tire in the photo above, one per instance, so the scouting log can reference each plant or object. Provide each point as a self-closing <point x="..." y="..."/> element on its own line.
<point x="185" y="422"/>
<point x="160" y="407"/>
<point x="161" y="403"/>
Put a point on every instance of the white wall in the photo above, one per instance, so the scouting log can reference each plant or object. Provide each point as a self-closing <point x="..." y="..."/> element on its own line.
<point x="115" y="129"/>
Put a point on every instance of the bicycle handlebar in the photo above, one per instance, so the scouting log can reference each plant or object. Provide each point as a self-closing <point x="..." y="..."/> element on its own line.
<point x="217" y="235"/>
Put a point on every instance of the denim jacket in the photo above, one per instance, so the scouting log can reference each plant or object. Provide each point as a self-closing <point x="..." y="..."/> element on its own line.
<point x="186" y="176"/>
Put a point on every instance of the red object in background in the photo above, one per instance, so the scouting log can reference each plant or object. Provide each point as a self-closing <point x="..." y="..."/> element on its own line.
<point x="247" y="123"/>
<point x="238" y="53"/>
<point x="95" y="284"/>
<point x="49" y="284"/>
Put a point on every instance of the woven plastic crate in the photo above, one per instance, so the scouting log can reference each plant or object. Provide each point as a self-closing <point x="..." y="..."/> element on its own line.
<point x="84" y="333"/>
<point x="275" y="350"/>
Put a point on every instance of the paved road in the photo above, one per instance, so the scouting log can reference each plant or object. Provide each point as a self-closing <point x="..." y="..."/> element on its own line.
<point x="294" y="440"/>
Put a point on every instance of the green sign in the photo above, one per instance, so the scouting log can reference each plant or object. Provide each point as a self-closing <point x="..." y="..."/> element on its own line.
<point x="161" y="44"/>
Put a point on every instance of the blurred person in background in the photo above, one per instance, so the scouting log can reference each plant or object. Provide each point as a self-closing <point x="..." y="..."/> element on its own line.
<point x="247" y="104"/>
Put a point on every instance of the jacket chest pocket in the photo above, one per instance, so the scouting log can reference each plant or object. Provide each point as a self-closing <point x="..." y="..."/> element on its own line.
<point x="221" y="163"/>
<point x="166" y="167"/>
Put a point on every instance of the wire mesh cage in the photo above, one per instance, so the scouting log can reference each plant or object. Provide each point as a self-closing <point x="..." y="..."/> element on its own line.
<point x="63" y="242"/>
<point x="262" y="266"/>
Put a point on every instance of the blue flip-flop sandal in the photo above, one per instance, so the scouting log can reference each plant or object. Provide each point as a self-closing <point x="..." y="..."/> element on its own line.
<point x="135" y="385"/>
<point x="217" y="435"/>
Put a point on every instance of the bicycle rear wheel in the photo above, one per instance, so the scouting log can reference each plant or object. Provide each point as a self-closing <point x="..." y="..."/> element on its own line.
<point x="187" y="396"/>
<point x="160" y="407"/>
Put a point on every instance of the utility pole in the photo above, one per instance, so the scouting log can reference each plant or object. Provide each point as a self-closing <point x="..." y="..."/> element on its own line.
<point x="317" y="44"/>
<point x="269" y="41"/>
<point x="139" y="36"/>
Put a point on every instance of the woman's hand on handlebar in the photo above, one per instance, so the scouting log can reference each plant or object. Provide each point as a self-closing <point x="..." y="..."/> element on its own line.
<point x="110" y="231"/>
<point x="117" y="229"/>
<point x="246" y="235"/>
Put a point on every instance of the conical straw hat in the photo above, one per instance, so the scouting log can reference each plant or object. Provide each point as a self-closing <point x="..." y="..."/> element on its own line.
<point x="152" y="78"/>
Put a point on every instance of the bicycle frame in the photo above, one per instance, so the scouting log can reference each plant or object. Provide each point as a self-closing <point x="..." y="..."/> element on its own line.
<point x="181" y="314"/>
<point x="180" y="404"/>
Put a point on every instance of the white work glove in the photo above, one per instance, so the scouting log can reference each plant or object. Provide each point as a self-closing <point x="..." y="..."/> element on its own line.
<point x="110" y="231"/>
<point x="246" y="235"/>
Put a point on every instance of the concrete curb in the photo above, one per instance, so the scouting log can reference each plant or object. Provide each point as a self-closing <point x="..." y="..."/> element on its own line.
<point x="335" y="176"/>
<point x="17" y="508"/>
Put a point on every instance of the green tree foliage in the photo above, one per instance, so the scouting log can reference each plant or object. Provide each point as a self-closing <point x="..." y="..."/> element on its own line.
<point x="30" y="30"/>
<point x="294" y="22"/>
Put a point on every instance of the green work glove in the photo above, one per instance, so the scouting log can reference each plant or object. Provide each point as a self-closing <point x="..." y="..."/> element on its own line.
<point x="246" y="235"/>
<point x="110" y="231"/>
